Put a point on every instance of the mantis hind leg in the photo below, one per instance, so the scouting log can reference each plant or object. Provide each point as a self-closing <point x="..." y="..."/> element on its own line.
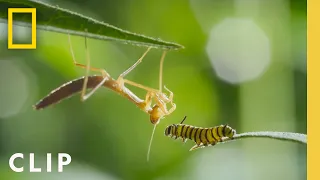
<point x="121" y="79"/>
<point x="161" y="70"/>
<point x="140" y="86"/>
<point x="104" y="73"/>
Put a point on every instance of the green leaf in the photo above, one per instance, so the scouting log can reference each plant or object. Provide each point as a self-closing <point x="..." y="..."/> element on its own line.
<point x="56" y="19"/>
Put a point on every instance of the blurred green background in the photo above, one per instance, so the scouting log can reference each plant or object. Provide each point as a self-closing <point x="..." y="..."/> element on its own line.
<point x="244" y="64"/>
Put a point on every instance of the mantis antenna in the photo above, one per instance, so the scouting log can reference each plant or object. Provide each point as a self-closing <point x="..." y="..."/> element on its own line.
<point x="150" y="143"/>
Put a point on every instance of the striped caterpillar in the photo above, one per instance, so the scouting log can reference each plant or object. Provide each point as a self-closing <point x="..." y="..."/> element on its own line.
<point x="201" y="136"/>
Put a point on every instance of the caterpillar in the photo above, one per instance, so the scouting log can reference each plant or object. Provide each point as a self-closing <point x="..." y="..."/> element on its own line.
<point x="201" y="136"/>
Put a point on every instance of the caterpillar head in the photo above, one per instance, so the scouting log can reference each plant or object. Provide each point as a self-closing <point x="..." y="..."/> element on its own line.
<point x="169" y="130"/>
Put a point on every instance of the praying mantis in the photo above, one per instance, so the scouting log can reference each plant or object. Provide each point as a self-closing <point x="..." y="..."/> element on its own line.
<point x="157" y="111"/>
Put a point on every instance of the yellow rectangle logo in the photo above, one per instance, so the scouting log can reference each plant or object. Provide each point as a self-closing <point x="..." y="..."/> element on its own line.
<point x="33" y="44"/>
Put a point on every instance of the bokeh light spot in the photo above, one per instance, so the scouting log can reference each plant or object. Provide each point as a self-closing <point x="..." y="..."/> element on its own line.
<point x="14" y="88"/>
<point x="238" y="50"/>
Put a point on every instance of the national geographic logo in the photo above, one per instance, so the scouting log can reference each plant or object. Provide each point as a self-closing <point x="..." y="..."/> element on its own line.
<point x="33" y="44"/>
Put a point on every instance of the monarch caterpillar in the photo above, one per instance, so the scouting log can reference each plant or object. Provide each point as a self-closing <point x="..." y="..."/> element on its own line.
<point x="201" y="136"/>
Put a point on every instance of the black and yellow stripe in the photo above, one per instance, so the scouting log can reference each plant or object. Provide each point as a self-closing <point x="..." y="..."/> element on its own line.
<point x="201" y="136"/>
